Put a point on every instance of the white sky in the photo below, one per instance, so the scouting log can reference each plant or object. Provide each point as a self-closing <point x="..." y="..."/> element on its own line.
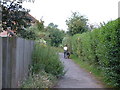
<point x="57" y="11"/>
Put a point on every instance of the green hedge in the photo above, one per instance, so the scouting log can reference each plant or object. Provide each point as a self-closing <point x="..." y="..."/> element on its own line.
<point x="100" y="47"/>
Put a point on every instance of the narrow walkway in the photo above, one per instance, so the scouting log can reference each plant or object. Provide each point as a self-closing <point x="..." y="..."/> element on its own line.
<point x="76" y="77"/>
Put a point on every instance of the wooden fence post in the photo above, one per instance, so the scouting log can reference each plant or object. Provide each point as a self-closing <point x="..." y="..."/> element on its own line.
<point x="9" y="60"/>
<point x="0" y="63"/>
<point x="6" y="64"/>
<point x="12" y="47"/>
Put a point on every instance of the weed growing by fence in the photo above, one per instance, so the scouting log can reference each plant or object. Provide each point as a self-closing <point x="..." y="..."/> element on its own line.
<point x="46" y="58"/>
<point x="45" y="69"/>
<point x="101" y="48"/>
<point x="40" y="80"/>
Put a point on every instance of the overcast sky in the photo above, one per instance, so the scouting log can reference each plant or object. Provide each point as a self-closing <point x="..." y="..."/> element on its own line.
<point x="57" y="11"/>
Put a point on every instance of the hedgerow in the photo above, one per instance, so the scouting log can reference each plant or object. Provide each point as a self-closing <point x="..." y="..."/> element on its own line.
<point x="100" y="47"/>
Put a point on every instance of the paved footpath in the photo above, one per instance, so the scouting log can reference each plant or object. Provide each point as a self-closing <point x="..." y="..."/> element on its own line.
<point x="76" y="77"/>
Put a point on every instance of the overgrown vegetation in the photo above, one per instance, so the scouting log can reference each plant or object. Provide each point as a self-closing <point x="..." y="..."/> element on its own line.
<point x="47" y="59"/>
<point x="101" y="49"/>
<point x="45" y="69"/>
<point x="40" y="80"/>
<point x="50" y="34"/>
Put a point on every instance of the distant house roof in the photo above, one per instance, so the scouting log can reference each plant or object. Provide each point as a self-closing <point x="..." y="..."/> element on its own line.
<point x="4" y="34"/>
<point x="33" y="18"/>
<point x="7" y="33"/>
<point x="11" y="33"/>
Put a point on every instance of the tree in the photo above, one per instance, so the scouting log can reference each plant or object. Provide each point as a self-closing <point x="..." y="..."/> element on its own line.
<point x="77" y="23"/>
<point x="55" y="35"/>
<point x="52" y="25"/>
<point x="16" y="18"/>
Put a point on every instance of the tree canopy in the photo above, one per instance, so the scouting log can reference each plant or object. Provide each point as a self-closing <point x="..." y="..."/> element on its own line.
<point x="55" y="35"/>
<point x="76" y="23"/>
<point x="16" y="18"/>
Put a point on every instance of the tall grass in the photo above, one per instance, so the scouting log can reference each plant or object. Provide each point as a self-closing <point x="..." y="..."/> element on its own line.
<point x="46" y="58"/>
<point x="45" y="69"/>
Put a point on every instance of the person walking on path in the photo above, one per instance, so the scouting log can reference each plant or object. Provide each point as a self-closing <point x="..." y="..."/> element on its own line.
<point x="65" y="50"/>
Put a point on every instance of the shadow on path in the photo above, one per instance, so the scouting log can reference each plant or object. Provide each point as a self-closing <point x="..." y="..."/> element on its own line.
<point x="76" y="77"/>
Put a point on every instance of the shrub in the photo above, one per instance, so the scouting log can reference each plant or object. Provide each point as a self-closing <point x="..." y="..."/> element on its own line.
<point x="101" y="47"/>
<point x="45" y="69"/>
<point x="46" y="58"/>
<point x="28" y="34"/>
<point x="40" y="80"/>
<point x="56" y="37"/>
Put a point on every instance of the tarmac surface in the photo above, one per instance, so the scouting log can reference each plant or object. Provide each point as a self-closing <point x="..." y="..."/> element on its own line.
<point x="76" y="77"/>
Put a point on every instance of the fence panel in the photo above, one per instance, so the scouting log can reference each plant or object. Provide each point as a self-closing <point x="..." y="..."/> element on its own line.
<point x="6" y="64"/>
<point x="12" y="61"/>
<point x="0" y="63"/>
<point x="9" y="47"/>
<point x="16" y="60"/>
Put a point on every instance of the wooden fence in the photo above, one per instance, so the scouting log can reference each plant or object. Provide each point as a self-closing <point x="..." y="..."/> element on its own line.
<point x="0" y="63"/>
<point x="16" y="59"/>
